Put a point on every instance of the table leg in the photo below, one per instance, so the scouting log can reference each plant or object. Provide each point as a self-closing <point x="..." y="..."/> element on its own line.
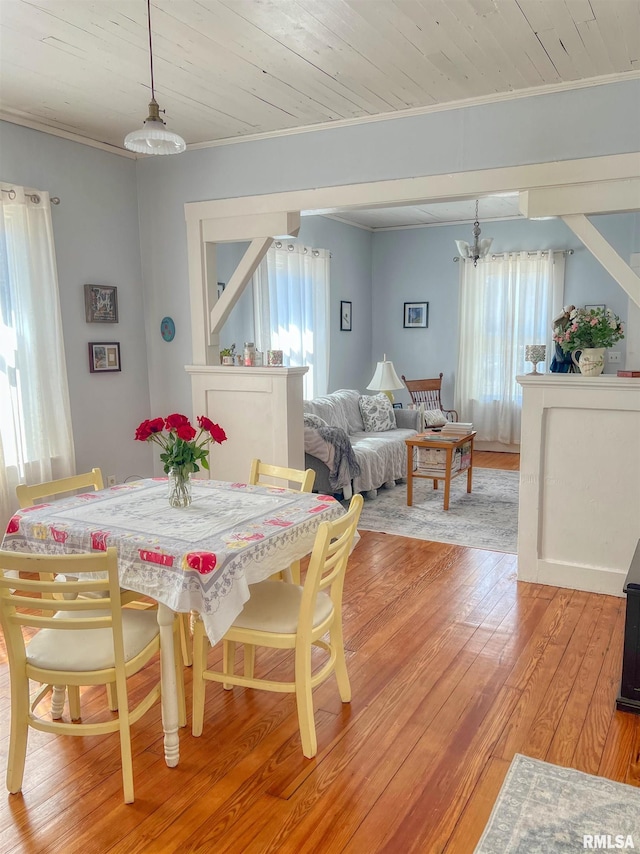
<point x="409" y="475"/>
<point x="470" y="472"/>
<point x="169" y="688"/>
<point x="447" y="478"/>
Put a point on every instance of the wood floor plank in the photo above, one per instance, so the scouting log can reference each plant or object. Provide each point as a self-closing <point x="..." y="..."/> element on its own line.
<point x="454" y="667"/>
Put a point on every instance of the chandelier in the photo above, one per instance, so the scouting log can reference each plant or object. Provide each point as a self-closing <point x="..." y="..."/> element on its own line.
<point x="153" y="137"/>
<point x="479" y="248"/>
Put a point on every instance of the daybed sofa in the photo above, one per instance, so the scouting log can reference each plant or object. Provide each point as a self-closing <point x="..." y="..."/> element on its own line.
<point x="355" y="443"/>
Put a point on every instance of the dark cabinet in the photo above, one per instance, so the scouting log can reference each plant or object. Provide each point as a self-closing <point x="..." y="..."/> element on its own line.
<point x="629" y="697"/>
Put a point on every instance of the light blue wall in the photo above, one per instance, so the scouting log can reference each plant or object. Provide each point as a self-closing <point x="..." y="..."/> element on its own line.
<point x="96" y="236"/>
<point x="415" y="265"/>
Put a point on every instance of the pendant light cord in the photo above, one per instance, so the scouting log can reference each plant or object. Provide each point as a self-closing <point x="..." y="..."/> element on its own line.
<point x="153" y="95"/>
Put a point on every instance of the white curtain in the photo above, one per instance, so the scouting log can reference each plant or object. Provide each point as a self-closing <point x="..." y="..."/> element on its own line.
<point x="291" y="297"/>
<point x="36" y="442"/>
<point x="506" y="302"/>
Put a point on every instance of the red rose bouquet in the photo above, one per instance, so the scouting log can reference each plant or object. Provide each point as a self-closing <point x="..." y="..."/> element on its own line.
<point x="183" y="449"/>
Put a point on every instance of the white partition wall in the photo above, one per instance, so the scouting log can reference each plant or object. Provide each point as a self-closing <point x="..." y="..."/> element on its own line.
<point x="260" y="410"/>
<point x="579" y="514"/>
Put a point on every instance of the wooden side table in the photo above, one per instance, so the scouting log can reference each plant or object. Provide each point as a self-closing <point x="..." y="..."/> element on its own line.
<point x="449" y="446"/>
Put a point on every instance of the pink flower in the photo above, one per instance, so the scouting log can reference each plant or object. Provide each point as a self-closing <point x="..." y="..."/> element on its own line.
<point x="594" y="321"/>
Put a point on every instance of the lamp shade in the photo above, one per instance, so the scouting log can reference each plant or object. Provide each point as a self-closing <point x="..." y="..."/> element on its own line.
<point x="385" y="377"/>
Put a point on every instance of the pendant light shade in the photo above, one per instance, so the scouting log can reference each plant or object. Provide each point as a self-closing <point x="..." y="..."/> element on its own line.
<point x="479" y="248"/>
<point x="153" y="137"/>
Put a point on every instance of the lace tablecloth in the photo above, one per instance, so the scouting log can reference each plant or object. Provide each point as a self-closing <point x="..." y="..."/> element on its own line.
<point x="201" y="558"/>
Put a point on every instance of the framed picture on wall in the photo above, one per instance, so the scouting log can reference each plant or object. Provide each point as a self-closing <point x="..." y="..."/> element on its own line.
<point x="345" y="315"/>
<point x="599" y="305"/>
<point x="104" y="357"/>
<point x="416" y="315"/>
<point x="101" y="303"/>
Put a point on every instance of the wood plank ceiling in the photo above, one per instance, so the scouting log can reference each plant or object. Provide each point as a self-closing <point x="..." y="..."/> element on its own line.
<point x="231" y="68"/>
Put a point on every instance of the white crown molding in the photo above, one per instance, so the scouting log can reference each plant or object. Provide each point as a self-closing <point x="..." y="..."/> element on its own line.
<point x="340" y="123"/>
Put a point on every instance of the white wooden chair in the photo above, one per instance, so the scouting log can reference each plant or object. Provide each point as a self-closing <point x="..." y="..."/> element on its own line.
<point x="287" y="616"/>
<point x="75" y="646"/>
<point x="28" y="495"/>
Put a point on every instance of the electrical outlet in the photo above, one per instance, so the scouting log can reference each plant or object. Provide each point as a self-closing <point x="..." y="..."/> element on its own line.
<point x="111" y="480"/>
<point x="613" y="355"/>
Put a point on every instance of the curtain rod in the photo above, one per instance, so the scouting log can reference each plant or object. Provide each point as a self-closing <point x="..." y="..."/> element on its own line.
<point x="519" y="252"/>
<point x="34" y="197"/>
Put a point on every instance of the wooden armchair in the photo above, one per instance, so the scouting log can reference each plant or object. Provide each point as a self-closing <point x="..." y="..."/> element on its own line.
<point x="428" y="392"/>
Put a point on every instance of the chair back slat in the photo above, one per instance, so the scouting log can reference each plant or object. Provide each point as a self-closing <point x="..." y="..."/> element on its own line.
<point x="303" y="480"/>
<point x="328" y="561"/>
<point x="28" y="494"/>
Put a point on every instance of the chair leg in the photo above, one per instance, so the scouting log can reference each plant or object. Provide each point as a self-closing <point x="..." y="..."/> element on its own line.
<point x="304" y="701"/>
<point x="182" y="706"/>
<point x="228" y="661"/>
<point x="200" y="648"/>
<point x="58" y="696"/>
<point x="112" y="697"/>
<point x="294" y="570"/>
<point x="125" y="739"/>
<point x="18" y="736"/>
<point x="249" y="659"/>
<point x="342" y="676"/>
<point x="74" y="702"/>
<point x="185" y="639"/>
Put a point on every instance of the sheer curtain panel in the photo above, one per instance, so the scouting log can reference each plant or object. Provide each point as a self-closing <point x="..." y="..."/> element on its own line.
<point x="291" y="296"/>
<point x="506" y="302"/>
<point x="36" y="442"/>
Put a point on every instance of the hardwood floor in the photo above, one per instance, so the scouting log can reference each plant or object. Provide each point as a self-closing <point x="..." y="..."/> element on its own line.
<point x="454" y="667"/>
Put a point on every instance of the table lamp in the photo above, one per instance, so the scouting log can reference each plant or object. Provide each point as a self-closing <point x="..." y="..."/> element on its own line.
<point x="535" y="353"/>
<point x="385" y="379"/>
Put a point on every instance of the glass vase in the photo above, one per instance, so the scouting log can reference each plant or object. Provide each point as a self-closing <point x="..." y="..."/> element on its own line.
<point x="179" y="487"/>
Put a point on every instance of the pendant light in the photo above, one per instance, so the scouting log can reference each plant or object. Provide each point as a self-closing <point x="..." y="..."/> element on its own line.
<point x="153" y="137"/>
<point x="479" y="248"/>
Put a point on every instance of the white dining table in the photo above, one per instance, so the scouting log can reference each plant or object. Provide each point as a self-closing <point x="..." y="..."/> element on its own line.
<point x="198" y="558"/>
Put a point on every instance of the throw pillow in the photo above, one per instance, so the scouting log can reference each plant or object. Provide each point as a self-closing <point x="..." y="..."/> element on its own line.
<point x="314" y="421"/>
<point x="377" y="413"/>
<point x="434" y="418"/>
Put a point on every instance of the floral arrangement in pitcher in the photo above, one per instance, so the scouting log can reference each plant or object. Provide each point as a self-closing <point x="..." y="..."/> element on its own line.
<point x="184" y="449"/>
<point x="588" y="328"/>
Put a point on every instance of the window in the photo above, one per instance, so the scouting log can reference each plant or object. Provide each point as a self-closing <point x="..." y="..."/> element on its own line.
<point x="506" y="302"/>
<point x="291" y="294"/>
<point x="35" y="423"/>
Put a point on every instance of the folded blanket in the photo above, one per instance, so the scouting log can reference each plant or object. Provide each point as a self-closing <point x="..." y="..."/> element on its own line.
<point x="333" y="447"/>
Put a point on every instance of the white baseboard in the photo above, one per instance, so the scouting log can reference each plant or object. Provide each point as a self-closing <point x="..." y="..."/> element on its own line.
<point x="592" y="579"/>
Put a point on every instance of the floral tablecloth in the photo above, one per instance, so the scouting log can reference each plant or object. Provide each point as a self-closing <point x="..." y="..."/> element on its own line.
<point x="202" y="557"/>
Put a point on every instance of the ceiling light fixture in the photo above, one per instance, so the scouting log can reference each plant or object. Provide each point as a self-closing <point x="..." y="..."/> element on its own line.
<point x="479" y="248"/>
<point x="153" y="137"/>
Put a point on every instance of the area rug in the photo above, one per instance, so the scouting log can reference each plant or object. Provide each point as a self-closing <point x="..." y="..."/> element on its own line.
<point x="485" y="518"/>
<point x="545" y="809"/>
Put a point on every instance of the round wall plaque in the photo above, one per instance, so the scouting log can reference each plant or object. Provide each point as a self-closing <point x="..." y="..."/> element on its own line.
<point x="167" y="328"/>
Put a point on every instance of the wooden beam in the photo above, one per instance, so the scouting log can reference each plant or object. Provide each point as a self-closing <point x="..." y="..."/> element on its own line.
<point x="593" y="198"/>
<point x="606" y="254"/>
<point x="256" y="251"/>
<point x="247" y="227"/>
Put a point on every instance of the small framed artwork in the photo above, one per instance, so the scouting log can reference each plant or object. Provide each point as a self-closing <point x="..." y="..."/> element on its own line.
<point x="101" y="304"/>
<point x="589" y="307"/>
<point x="104" y="357"/>
<point x="345" y="315"/>
<point x="221" y="287"/>
<point x="416" y="315"/>
<point x="397" y="405"/>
